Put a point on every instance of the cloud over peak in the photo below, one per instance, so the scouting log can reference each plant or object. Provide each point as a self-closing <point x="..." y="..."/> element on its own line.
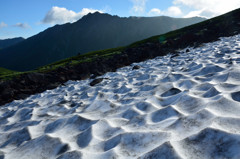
<point x="171" y="11"/>
<point x="139" y="6"/>
<point x="155" y="12"/>
<point x="174" y="11"/>
<point x="208" y="8"/>
<point x="58" y="15"/>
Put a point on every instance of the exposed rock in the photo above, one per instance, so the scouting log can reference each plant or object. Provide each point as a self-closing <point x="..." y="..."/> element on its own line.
<point x="93" y="76"/>
<point x="35" y="77"/>
<point x="21" y="96"/>
<point x="136" y="67"/>
<point x="96" y="81"/>
<point x="53" y="85"/>
<point x="175" y="55"/>
<point x="7" y="94"/>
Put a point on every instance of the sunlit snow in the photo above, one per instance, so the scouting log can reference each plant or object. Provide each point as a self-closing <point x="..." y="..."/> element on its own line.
<point x="185" y="106"/>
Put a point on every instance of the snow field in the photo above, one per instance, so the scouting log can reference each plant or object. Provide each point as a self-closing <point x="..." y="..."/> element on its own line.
<point x="185" y="106"/>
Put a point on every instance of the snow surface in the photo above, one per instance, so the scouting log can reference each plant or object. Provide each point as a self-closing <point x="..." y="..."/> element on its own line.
<point x="173" y="107"/>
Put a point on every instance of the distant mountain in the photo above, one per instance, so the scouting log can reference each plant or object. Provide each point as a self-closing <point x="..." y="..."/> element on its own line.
<point x="92" y="32"/>
<point x="9" y="42"/>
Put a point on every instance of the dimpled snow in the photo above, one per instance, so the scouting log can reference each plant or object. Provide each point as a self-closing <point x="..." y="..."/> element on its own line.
<point x="185" y="106"/>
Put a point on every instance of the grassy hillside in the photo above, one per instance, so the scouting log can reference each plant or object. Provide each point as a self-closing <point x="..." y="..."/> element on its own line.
<point x="5" y="73"/>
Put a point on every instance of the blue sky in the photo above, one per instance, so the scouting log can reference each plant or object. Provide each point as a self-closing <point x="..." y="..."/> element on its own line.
<point x="28" y="17"/>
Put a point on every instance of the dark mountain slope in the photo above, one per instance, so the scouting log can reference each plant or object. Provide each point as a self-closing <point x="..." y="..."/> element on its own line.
<point x="9" y="42"/>
<point x="92" y="32"/>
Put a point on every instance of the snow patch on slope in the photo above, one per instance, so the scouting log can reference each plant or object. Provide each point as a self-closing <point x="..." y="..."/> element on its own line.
<point x="185" y="106"/>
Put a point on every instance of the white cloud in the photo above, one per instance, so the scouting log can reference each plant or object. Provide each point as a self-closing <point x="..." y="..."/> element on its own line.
<point x="154" y="12"/>
<point x="59" y="15"/>
<point x="174" y="11"/>
<point x="139" y="6"/>
<point x="208" y="8"/>
<point x="22" y="25"/>
<point x="2" y="25"/>
<point x="200" y="13"/>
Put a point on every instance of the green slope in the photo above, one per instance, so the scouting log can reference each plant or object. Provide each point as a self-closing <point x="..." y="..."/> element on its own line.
<point x="5" y="73"/>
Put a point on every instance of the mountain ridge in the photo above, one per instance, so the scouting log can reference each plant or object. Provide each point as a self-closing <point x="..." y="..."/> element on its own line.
<point x="4" y="43"/>
<point x="91" y="33"/>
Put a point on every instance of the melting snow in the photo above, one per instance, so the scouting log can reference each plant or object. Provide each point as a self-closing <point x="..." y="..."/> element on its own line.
<point x="185" y="106"/>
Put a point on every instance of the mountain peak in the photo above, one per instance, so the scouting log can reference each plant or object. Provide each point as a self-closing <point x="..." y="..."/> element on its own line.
<point x="96" y="14"/>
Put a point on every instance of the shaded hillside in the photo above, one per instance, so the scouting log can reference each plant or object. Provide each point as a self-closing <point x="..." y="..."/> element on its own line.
<point x="93" y="32"/>
<point x="9" y="42"/>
